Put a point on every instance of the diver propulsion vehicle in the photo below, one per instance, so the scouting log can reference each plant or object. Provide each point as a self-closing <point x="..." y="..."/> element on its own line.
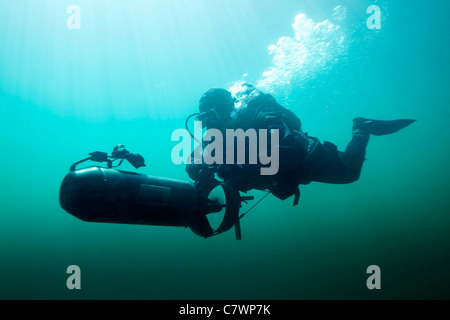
<point x="108" y="195"/>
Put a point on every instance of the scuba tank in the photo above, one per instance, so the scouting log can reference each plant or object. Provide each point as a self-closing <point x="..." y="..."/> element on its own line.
<point x="108" y="195"/>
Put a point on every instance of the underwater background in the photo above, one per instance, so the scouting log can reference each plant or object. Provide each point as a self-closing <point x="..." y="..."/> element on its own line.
<point x="132" y="74"/>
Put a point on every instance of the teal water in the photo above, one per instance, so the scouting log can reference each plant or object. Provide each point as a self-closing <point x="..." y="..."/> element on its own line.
<point x="132" y="74"/>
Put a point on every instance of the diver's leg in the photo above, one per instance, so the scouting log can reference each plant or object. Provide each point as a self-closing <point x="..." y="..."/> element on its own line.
<point x="328" y="165"/>
<point x="354" y="157"/>
<point x="348" y="169"/>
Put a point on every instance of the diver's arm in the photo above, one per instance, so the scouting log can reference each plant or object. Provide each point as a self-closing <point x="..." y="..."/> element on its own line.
<point x="193" y="169"/>
<point x="202" y="174"/>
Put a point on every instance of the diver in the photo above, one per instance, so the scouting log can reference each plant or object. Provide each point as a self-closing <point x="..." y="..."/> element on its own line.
<point x="302" y="158"/>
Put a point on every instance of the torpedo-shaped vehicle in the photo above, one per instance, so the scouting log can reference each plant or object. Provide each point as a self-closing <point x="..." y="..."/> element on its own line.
<point x="108" y="195"/>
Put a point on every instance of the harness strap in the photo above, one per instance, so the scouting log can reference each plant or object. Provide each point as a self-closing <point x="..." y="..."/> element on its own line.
<point x="296" y="197"/>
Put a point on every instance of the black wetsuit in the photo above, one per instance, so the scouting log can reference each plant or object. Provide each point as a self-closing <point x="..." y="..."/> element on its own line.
<point x="302" y="159"/>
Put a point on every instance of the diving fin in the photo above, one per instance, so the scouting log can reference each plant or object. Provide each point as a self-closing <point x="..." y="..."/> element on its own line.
<point x="380" y="127"/>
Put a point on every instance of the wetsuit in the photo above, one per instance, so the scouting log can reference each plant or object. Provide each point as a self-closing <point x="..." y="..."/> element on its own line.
<point x="302" y="158"/>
